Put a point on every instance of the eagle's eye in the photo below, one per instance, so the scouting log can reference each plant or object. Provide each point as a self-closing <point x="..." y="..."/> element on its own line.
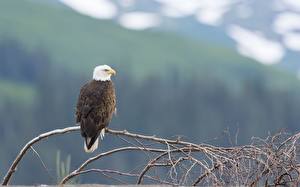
<point x="106" y="70"/>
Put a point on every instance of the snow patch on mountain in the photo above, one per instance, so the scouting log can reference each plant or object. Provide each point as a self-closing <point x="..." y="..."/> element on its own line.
<point x="255" y="45"/>
<point x="292" y="41"/>
<point x="211" y="16"/>
<point x="206" y="11"/>
<point x="99" y="9"/>
<point x="286" y="22"/>
<point x="183" y="8"/>
<point x="139" y="20"/>
<point x="212" y="12"/>
<point x="292" y="4"/>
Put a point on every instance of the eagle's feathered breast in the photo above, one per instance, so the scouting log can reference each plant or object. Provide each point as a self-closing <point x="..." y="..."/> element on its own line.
<point x="95" y="107"/>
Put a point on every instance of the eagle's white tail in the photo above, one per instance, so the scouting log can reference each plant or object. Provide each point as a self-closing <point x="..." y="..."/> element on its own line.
<point x="94" y="146"/>
<point x="102" y="133"/>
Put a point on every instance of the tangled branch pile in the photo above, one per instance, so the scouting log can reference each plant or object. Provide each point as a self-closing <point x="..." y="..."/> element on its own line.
<point x="270" y="161"/>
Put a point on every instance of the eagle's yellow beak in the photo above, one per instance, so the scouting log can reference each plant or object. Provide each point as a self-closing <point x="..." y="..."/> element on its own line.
<point x="112" y="72"/>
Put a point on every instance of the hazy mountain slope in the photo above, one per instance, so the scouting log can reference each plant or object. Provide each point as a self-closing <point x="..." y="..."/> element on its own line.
<point x="73" y="40"/>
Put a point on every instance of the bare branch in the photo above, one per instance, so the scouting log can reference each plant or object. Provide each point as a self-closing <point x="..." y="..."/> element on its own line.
<point x="274" y="160"/>
<point x="103" y="171"/>
<point x="19" y="157"/>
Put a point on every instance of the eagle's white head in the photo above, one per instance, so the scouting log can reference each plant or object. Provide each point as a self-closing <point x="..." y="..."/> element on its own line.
<point x="103" y="73"/>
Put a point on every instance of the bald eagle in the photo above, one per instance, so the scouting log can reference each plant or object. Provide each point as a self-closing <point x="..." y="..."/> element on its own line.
<point x="95" y="106"/>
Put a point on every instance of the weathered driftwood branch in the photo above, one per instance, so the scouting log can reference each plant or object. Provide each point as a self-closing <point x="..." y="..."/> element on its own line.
<point x="23" y="151"/>
<point x="270" y="161"/>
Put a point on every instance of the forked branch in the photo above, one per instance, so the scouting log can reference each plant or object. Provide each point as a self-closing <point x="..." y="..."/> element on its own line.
<point x="23" y="151"/>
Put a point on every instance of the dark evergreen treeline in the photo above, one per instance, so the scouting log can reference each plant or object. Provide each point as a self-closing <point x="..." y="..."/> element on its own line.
<point x="195" y="108"/>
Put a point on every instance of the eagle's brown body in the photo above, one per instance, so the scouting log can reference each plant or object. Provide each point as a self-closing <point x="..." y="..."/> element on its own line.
<point x="95" y="107"/>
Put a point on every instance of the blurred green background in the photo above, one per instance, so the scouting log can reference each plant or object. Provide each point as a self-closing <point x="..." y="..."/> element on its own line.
<point x="167" y="84"/>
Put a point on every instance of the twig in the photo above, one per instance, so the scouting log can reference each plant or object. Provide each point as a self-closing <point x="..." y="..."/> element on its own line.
<point x="43" y="164"/>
